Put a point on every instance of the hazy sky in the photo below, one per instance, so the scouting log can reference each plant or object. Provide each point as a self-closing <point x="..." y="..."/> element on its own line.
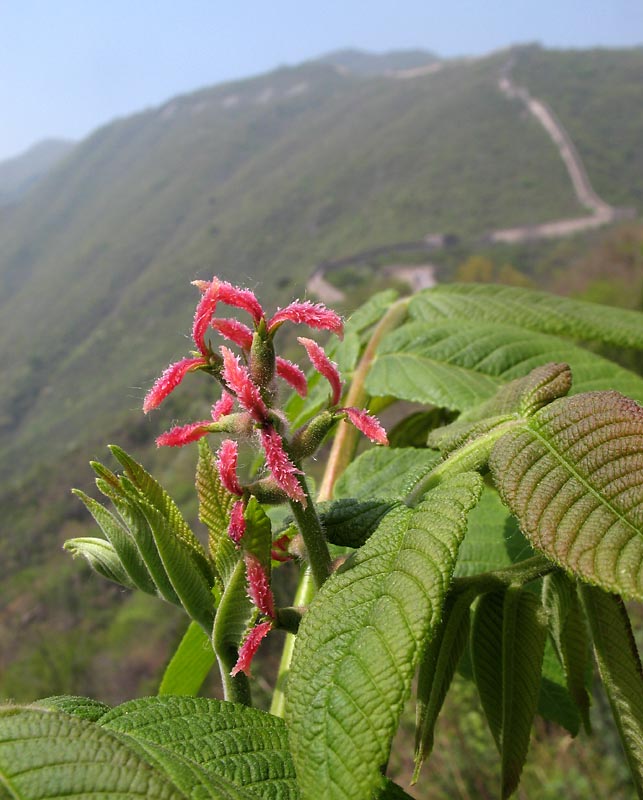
<point x="67" y="66"/>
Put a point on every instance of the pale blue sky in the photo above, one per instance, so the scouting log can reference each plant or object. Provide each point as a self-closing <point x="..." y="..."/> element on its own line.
<point x="67" y="66"/>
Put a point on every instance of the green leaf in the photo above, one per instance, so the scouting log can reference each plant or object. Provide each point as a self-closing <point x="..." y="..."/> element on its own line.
<point x="620" y="669"/>
<point x="258" y="536"/>
<point x="350" y="522"/>
<point x="573" y="476"/>
<point x="123" y="543"/>
<point x="101" y="557"/>
<point x="46" y="754"/>
<point x="554" y="700"/>
<point x="83" y="707"/>
<point x="537" y="311"/>
<point x="228" y="740"/>
<point x="138" y="525"/>
<point x="437" y="668"/>
<point x="385" y="472"/>
<point x="515" y="400"/>
<point x="360" y="641"/>
<point x="371" y="311"/>
<point x="457" y="364"/>
<point x="493" y="539"/>
<point x="156" y="497"/>
<point x="507" y="646"/>
<point x="568" y="628"/>
<point x="215" y="505"/>
<point x="414" y="429"/>
<point x="181" y="567"/>
<point x="190" y="664"/>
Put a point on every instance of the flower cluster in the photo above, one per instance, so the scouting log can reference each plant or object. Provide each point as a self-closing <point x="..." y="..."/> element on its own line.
<point x="247" y="409"/>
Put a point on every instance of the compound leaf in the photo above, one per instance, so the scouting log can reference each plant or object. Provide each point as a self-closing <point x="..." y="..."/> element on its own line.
<point x="360" y="641"/>
<point x="573" y="476"/>
<point x="190" y="664"/>
<point x="457" y="364"/>
<point x="537" y="311"/>
<point x="620" y="669"/>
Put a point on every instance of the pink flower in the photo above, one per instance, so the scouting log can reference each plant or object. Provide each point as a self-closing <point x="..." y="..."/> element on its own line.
<point x="241" y="298"/>
<point x="237" y="524"/>
<point x="227" y="466"/>
<point x="169" y="380"/>
<point x="203" y="315"/>
<point x="222" y="407"/>
<point x="324" y="366"/>
<point x="235" y="331"/>
<point x="250" y="647"/>
<point x="259" y="590"/>
<point x="370" y="426"/>
<point x="234" y="296"/>
<point x="238" y="379"/>
<point x="315" y="315"/>
<point x="184" y="434"/>
<point x="293" y="375"/>
<point x="283" y="470"/>
<point x="279" y="551"/>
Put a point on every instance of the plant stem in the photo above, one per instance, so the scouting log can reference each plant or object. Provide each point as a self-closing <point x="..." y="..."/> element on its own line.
<point x="341" y="454"/>
<point x="471" y="456"/>
<point x="235" y="689"/>
<point x="305" y="593"/>
<point x="312" y="532"/>
<point x="515" y="575"/>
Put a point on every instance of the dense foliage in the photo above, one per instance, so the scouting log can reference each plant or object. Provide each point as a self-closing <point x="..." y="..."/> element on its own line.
<point x="497" y="535"/>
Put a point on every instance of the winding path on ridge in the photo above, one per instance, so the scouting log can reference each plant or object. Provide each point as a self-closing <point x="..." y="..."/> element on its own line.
<point x="424" y="276"/>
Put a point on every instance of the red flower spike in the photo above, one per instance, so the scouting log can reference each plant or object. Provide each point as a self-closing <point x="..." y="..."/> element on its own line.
<point x="279" y="551"/>
<point x="315" y="315"/>
<point x="241" y="298"/>
<point x="370" y="426"/>
<point x="324" y="366"/>
<point x="184" y="434"/>
<point x="250" y="647"/>
<point x="237" y="524"/>
<point x="226" y="462"/>
<point x="222" y="407"/>
<point x="235" y="331"/>
<point x="169" y="380"/>
<point x="283" y="470"/>
<point x="238" y="379"/>
<point x="259" y="590"/>
<point x="203" y="315"/>
<point x="202" y="286"/>
<point x="293" y="375"/>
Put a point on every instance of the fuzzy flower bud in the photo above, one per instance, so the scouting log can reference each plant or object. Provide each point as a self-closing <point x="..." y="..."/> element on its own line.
<point x="283" y="470"/>
<point x="226" y="462"/>
<point x="293" y="375"/>
<point x="237" y="525"/>
<point x="309" y="437"/>
<point x="203" y="314"/>
<point x="259" y="590"/>
<point x="315" y="315"/>
<point x="250" y="647"/>
<point x="370" y="426"/>
<point x="235" y="331"/>
<point x="324" y="366"/>
<point x="169" y="380"/>
<point x="238" y="379"/>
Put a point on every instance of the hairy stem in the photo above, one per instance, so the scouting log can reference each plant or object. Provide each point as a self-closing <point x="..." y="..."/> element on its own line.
<point x="312" y="532"/>
<point x="472" y="455"/>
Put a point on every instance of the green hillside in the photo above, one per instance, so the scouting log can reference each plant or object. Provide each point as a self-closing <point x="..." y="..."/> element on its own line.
<point x="598" y="96"/>
<point x="20" y="174"/>
<point x="257" y="181"/>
